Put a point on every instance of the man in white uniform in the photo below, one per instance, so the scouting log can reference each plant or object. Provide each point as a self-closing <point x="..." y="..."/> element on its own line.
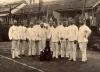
<point x="59" y="28"/>
<point x="84" y="33"/>
<point x="54" y="37"/>
<point x="31" y="33"/>
<point x="42" y="37"/>
<point x="63" y="34"/>
<point x="23" y="35"/>
<point x="46" y="27"/>
<point x="66" y="36"/>
<point x="50" y="28"/>
<point x="37" y="39"/>
<point x="63" y="39"/>
<point x="72" y="38"/>
<point x="13" y="36"/>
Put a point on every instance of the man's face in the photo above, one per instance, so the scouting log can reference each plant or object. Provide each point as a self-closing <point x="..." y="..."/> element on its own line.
<point x="26" y="25"/>
<point x="67" y="24"/>
<point x="54" y="25"/>
<point x="51" y="24"/>
<point x="81" y="23"/>
<point x="64" y="24"/>
<point x="31" y="25"/>
<point x="70" y="23"/>
<point x="46" y="27"/>
<point x="37" y="23"/>
<point x="41" y="25"/>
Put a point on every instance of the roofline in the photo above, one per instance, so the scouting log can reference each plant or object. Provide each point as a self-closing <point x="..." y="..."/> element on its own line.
<point x="96" y="4"/>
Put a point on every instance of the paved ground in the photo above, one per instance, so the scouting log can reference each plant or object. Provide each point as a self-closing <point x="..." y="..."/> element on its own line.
<point x="32" y="64"/>
<point x="10" y="66"/>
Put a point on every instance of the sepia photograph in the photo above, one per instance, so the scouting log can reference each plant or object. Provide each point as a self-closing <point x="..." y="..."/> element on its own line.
<point x="49" y="35"/>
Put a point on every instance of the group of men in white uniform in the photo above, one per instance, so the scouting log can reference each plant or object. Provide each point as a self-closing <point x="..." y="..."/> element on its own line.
<point x="63" y="39"/>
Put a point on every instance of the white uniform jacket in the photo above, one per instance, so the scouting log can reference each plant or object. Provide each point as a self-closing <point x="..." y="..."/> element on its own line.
<point x="63" y="32"/>
<point x="72" y="32"/>
<point x="42" y="34"/>
<point x="37" y="30"/>
<point x="13" y="33"/>
<point x="24" y="33"/>
<point x="20" y="32"/>
<point x="49" y="31"/>
<point x="54" y="35"/>
<point x="83" y="34"/>
<point x="31" y="34"/>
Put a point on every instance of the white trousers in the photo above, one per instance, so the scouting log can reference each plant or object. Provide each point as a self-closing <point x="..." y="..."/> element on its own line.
<point x="37" y="46"/>
<point x="63" y="48"/>
<point x="22" y="47"/>
<point x="67" y="49"/>
<point x="72" y="50"/>
<point x="55" y="49"/>
<point x="83" y="49"/>
<point x="32" y="48"/>
<point x="15" y="48"/>
<point x="42" y="45"/>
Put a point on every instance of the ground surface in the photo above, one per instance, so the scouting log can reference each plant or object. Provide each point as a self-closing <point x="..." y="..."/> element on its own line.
<point x="32" y="64"/>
